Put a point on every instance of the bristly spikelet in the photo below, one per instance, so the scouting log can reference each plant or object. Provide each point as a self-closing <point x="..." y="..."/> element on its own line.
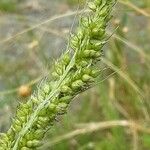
<point x="73" y="73"/>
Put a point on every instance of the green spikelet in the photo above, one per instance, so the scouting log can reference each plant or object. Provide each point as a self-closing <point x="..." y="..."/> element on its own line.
<point x="72" y="74"/>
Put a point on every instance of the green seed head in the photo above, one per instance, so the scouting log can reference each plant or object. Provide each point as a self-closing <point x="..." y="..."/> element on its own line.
<point x="92" y="6"/>
<point x="87" y="78"/>
<point x="66" y="89"/>
<point x="34" y="143"/>
<point x="72" y="73"/>
<point x="77" y="85"/>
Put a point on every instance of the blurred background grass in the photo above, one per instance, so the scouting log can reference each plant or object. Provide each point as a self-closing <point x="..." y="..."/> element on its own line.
<point x="113" y="115"/>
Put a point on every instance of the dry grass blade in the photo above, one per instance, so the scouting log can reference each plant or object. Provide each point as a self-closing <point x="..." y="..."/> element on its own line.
<point x="42" y="23"/>
<point x="131" y="83"/>
<point x="124" y="76"/>
<point x="132" y="46"/>
<point x="92" y="127"/>
<point x="129" y="4"/>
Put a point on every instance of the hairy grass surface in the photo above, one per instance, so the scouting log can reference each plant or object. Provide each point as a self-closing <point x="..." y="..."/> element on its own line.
<point x="122" y="95"/>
